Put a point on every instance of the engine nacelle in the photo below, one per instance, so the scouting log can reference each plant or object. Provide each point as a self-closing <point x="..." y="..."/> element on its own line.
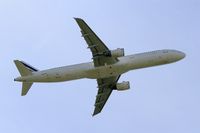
<point x="125" y="85"/>
<point x="119" y="52"/>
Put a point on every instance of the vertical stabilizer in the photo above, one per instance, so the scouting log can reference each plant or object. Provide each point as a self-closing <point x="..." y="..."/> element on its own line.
<point x="25" y="70"/>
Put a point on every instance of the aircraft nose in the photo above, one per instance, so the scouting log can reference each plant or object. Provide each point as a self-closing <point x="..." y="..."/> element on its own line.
<point x="175" y="55"/>
<point x="181" y="55"/>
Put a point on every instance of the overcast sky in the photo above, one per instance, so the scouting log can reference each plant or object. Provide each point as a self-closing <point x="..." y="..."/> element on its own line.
<point x="43" y="33"/>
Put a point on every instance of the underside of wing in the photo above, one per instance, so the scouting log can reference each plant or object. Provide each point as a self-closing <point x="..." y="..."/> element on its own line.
<point x="101" y="56"/>
<point x="100" y="52"/>
<point x="106" y="87"/>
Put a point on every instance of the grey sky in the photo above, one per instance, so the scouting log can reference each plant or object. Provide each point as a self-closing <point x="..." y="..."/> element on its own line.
<point x="43" y="33"/>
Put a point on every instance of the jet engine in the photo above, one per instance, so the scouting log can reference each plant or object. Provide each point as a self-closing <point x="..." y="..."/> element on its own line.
<point x="119" y="52"/>
<point x="125" y="85"/>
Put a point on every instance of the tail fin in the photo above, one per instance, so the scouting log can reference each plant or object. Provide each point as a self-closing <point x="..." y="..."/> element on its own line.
<point x="25" y="70"/>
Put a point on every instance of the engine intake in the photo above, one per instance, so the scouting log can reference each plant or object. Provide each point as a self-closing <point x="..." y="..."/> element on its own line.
<point x="119" y="52"/>
<point x="125" y="85"/>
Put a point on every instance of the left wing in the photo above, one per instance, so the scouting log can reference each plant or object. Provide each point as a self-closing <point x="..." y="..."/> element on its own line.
<point x="105" y="85"/>
<point x="100" y="52"/>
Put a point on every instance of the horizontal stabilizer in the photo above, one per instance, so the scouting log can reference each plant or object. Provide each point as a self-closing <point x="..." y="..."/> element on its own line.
<point x="25" y="87"/>
<point x="25" y="70"/>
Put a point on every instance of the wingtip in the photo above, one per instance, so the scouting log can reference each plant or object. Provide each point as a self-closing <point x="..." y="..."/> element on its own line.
<point x="22" y="94"/>
<point x="15" y="60"/>
<point x="95" y="113"/>
<point x="78" y="19"/>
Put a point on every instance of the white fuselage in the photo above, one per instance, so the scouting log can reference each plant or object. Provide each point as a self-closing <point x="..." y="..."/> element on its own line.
<point x="88" y="70"/>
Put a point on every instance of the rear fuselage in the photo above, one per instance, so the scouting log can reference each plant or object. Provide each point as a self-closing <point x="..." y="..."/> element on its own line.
<point x="87" y="70"/>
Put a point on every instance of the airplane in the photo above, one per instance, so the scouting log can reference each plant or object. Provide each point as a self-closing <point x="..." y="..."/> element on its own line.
<point x="107" y="67"/>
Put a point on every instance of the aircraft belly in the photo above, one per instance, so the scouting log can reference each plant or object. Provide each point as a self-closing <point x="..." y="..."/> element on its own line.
<point x="87" y="70"/>
<point x="144" y="61"/>
<point x="56" y="75"/>
<point x="106" y="71"/>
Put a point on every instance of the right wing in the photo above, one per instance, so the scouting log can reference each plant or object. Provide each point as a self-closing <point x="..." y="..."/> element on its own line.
<point x="106" y="86"/>
<point x="100" y="52"/>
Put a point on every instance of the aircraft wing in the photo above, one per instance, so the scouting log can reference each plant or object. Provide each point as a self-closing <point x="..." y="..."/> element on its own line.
<point x="105" y="85"/>
<point x="100" y="51"/>
<point x="101" y="56"/>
